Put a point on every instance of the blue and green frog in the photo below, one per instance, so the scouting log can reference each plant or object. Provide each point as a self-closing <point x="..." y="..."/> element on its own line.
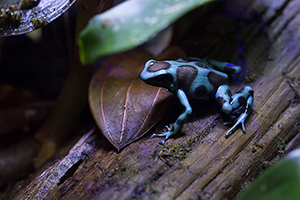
<point x="200" y="79"/>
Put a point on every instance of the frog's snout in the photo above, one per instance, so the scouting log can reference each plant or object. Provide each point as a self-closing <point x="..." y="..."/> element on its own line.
<point x="143" y="75"/>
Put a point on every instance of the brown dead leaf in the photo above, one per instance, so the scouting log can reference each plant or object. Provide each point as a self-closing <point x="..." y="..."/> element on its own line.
<point x="123" y="106"/>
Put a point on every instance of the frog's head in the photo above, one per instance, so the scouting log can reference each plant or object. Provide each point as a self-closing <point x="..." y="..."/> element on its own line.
<point x="156" y="73"/>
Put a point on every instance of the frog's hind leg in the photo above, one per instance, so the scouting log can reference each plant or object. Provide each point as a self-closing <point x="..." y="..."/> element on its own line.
<point x="226" y="67"/>
<point x="230" y="103"/>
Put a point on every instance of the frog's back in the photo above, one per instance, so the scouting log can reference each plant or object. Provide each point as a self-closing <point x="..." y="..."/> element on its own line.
<point x="199" y="81"/>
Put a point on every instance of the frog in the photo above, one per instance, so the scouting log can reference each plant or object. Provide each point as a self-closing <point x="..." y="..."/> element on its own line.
<point x="202" y="79"/>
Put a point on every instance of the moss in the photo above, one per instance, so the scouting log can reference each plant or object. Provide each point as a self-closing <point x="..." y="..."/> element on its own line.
<point x="27" y="4"/>
<point x="10" y="16"/>
<point x="38" y="22"/>
<point x="282" y="146"/>
<point x="251" y="78"/>
<point x="171" y="153"/>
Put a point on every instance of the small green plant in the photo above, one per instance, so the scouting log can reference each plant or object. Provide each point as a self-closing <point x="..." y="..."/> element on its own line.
<point x="281" y="181"/>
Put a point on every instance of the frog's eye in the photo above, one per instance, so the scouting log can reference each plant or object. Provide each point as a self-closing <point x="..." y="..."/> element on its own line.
<point x="151" y="63"/>
<point x="161" y="78"/>
<point x="160" y="81"/>
<point x="164" y="78"/>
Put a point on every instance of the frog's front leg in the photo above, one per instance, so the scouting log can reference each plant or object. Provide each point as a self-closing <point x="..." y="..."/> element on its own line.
<point x="181" y="119"/>
<point x="230" y="103"/>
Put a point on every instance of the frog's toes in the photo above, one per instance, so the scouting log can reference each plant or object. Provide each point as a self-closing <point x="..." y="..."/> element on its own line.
<point x="240" y="120"/>
<point x="162" y="142"/>
<point x="168" y="128"/>
<point x="226" y="123"/>
<point x="166" y="134"/>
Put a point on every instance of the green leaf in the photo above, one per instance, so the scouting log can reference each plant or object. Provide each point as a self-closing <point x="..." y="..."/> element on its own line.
<point x="130" y="24"/>
<point x="23" y="16"/>
<point x="281" y="181"/>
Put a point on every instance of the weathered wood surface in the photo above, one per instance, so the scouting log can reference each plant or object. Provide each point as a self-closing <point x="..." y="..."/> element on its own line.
<point x="201" y="163"/>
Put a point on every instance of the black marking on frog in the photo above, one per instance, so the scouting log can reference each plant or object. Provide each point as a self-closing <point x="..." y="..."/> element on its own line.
<point x="154" y="67"/>
<point x="186" y="75"/>
<point x="220" y="100"/>
<point x="180" y="122"/>
<point x="163" y="80"/>
<point x="201" y="91"/>
<point x="241" y="100"/>
<point x="248" y="109"/>
<point x="229" y="69"/>
<point x="216" y="80"/>
<point x="251" y="93"/>
<point x="199" y="64"/>
<point x="229" y="93"/>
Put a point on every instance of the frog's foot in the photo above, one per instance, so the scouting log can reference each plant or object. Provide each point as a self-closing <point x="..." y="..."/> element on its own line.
<point x="240" y="120"/>
<point x="166" y="135"/>
<point x="232" y="105"/>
